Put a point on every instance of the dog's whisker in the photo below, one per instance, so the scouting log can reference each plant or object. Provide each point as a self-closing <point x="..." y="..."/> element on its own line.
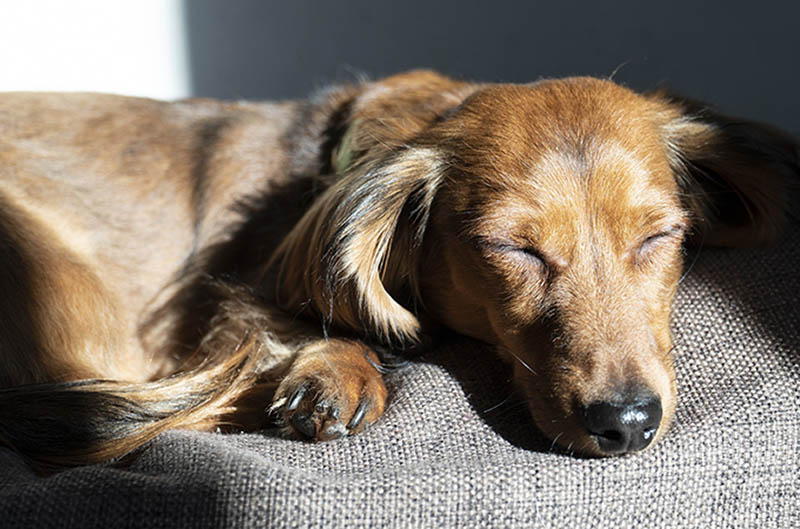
<point x="499" y="404"/>
<point x="555" y="441"/>
<point x="696" y="256"/>
<point x="617" y="69"/>
<point x="520" y="360"/>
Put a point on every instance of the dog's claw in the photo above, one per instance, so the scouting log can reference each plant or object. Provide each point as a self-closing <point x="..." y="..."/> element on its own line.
<point x="296" y="398"/>
<point x="277" y="405"/>
<point x="359" y="414"/>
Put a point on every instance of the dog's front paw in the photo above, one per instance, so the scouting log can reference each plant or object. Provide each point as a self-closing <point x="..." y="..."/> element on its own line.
<point x="333" y="389"/>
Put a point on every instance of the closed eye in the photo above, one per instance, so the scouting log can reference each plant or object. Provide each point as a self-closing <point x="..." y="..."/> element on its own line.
<point x="530" y="254"/>
<point x="650" y="243"/>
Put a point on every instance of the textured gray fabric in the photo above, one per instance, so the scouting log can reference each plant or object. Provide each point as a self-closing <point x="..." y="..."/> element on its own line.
<point x="446" y="454"/>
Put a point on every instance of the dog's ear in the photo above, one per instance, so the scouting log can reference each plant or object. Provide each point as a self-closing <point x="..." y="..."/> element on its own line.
<point x="357" y="243"/>
<point x="736" y="176"/>
<point x="388" y="114"/>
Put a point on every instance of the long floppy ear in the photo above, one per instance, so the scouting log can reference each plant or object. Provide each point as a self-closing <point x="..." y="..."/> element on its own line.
<point x="357" y="243"/>
<point x="737" y="176"/>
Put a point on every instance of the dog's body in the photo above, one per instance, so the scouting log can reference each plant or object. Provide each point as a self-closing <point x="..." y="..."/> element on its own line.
<point x="240" y="247"/>
<point x="100" y="235"/>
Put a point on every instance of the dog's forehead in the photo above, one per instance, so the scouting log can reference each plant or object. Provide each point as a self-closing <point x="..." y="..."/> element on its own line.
<point x="557" y="140"/>
<point x="569" y="115"/>
<point x="564" y="154"/>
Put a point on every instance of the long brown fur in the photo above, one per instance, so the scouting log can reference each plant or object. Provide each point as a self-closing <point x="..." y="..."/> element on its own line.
<point x="191" y="264"/>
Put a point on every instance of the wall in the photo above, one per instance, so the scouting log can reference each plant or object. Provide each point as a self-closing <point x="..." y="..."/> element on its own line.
<point x="739" y="54"/>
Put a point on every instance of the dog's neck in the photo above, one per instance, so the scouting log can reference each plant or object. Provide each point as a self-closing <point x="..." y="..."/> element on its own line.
<point x="317" y="132"/>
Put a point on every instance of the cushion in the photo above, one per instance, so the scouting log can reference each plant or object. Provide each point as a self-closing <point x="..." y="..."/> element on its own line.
<point x="456" y="448"/>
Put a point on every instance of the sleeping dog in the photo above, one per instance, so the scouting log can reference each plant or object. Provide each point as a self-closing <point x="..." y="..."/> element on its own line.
<point x="189" y="264"/>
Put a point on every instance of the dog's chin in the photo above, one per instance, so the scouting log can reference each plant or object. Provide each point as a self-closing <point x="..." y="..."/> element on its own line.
<point x="564" y="429"/>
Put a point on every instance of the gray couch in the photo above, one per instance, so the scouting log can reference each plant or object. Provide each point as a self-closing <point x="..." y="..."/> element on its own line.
<point x="454" y="450"/>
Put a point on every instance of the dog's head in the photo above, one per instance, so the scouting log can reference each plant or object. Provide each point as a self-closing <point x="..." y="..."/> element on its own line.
<point x="547" y="219"/>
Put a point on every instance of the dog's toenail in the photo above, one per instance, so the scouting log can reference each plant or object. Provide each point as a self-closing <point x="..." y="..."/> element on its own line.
<point x="297" y="396"/>
<point x="358" y="416"/>
<point x="278" y="404"/>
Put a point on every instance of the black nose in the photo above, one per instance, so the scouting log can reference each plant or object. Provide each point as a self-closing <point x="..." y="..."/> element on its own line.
<point x="620" y="427"/>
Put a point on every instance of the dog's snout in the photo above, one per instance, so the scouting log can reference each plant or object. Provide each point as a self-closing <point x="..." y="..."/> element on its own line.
<point x="621" y="427"/>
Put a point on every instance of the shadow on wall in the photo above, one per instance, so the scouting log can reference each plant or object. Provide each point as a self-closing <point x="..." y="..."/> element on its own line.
<point x="721" y="51"/>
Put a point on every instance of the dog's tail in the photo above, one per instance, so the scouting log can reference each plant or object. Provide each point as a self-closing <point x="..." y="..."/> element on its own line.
<point x="57" y="425"/>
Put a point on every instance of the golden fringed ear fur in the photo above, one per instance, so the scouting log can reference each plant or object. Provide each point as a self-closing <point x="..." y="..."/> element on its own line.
<point x="736" y="175"/>
<point x="335" y="258"/>
<point x="356" y="246"/>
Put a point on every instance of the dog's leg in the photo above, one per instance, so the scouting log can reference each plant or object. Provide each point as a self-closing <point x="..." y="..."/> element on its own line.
<point x="333" y="388"/>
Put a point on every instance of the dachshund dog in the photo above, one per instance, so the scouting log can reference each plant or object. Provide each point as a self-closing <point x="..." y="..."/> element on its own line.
<point x="200" y="263"/>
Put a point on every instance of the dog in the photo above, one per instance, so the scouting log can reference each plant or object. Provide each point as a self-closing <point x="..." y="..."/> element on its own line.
<point x="191" y="264"/>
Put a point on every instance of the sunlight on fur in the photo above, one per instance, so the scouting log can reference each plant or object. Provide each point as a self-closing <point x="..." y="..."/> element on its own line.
<point x="215" y="265"/>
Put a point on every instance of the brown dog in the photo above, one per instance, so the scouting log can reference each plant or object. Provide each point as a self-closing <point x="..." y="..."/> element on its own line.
<point x="185" y="264"/>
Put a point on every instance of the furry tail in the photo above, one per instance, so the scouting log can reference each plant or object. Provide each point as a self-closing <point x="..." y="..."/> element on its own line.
<point x="57" y="425"/>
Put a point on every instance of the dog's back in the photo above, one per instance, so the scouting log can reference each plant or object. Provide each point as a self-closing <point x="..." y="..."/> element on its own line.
<point x="104" y="199"/>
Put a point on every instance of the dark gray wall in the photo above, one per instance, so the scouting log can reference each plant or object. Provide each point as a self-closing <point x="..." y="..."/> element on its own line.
<point x="741" y="55"/>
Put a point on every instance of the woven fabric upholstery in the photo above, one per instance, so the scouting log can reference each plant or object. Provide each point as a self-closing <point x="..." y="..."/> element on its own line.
<point x="453" y="451"/>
